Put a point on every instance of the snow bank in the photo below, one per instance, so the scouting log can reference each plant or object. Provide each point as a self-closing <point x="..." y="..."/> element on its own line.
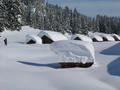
<point x="34" y="38"/>
<point x="75" y="51"/>
<point x="81" y="37"/>
<point x="55" y="36"/>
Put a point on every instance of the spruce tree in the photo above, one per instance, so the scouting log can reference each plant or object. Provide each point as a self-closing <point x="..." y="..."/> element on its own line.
<point x="11" y="14"/>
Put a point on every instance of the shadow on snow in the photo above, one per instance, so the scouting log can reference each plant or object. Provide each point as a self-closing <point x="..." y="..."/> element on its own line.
<point x="114" y="50"/>
<point x="114" y="67"/>
<point x="51" y="65"/>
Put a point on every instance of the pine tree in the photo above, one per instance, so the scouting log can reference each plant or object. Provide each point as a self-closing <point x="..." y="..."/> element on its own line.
<point x="11" y="14"/>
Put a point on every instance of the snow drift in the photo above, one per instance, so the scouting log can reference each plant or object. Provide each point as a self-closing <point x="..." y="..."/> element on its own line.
<point x="74" y="51"/>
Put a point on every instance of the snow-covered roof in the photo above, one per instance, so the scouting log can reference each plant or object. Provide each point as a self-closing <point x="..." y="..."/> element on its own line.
<point x="33" y="37"/>
<point x="97" y="37"/>
<point x="116" y="36"/>
<point x="55" y="36"/>
<point x="82" y="37"/>
<point x="76" y="50"/>
<point x="106" y="36"/>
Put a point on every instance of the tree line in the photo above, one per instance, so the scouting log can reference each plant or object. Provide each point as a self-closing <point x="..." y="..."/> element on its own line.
<point x="46" y="16"/>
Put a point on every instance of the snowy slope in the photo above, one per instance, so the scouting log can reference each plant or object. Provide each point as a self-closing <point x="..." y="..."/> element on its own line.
<point x="34" y="67"/>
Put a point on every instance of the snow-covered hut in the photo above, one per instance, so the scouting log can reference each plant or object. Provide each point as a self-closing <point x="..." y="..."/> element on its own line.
<point x="81" y="37"/>
<point x="96" y="38"/>
<point x="33" y="39"/>
<point x="107" y="37"/>
<point x="116" y="37"/>
<point x="75" y="51"/>
<point x="51" y="36"/>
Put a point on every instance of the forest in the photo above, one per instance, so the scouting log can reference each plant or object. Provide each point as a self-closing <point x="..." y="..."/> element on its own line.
<point x="42" y="15"/>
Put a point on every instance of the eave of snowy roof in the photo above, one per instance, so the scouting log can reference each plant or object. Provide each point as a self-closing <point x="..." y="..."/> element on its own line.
<point x="55" y="36"/>
<point x="82" y="37"/>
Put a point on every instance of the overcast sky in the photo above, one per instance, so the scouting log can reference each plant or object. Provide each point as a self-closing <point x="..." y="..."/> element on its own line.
<point x="92" y="7"/>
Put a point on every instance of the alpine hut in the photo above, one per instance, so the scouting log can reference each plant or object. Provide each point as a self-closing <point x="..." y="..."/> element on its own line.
<point x="33" y="39"/>
<point x="51" y="36"/>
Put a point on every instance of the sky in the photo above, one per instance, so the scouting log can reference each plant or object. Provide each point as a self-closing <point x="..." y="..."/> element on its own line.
<point x="92" y="7"/>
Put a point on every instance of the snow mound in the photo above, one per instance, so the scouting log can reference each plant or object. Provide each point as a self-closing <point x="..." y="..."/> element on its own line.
<point x="34" y="38"/>
<point x="74" y="51"/>
<point x="81" y="37"/>
<point x="55" y="36"/>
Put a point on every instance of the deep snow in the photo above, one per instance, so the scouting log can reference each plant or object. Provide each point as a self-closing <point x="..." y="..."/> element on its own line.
<point x="74" y="51"/>
<point x="34" y="67"/>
